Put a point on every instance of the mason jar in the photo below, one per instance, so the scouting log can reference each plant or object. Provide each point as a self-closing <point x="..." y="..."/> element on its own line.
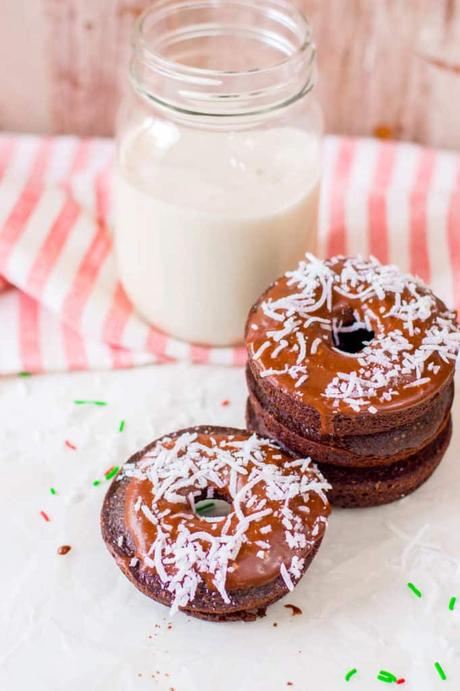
<point x="219" y="161"/>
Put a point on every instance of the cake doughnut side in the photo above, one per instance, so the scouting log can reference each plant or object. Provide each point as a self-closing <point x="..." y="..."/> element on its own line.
<point x="359" y="451"/>
<point x="215" y="567"/>
<point x="362" y="487"/>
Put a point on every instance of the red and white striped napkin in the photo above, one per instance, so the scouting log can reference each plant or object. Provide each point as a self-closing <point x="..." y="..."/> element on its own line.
<point x="62" y="307"/>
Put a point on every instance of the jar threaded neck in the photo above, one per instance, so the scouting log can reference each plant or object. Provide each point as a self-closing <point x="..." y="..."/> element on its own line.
<point x="223" y="58"/>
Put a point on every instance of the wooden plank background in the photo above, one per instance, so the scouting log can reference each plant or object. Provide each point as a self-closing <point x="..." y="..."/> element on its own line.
<point x="390" y="67"/>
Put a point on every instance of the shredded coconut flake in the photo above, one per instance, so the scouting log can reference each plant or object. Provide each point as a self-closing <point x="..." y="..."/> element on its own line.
<point x="286" y="577"/>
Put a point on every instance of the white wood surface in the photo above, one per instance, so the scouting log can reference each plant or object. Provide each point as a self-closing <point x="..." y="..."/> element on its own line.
<point x="391" y="67"/>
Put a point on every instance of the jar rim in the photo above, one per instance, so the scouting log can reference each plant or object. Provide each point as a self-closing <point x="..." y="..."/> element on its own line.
<point x="226" y="91"/>
<point x="169" y="7"/>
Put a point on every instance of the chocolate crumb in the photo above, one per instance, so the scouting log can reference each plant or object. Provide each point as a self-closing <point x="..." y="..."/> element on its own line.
<point x="275" y="623"/>
<point x="64" y="549"/>
<point x="290" y="683"/>
<point x="294" y="610"/>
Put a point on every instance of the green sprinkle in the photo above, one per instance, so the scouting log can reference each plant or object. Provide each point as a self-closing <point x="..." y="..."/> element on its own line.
<point x="25" y="374"/>
<point x="96" y="483"/>
<point x="387" y="677"/>
<point x="349" y="674"/>
<point x="90" y="402"/>
<point x="440" y="671"/>
<point x="112" y="472"/>
<point x="52" y="490"/>
<point x="122" y="426"/>
<point x="203" y="508"/>
<point x="414" y="589"/>
<point x="452" y="602"/>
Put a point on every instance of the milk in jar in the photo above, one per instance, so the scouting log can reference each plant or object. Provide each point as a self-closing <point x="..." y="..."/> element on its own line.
<point x="218" y="171"/>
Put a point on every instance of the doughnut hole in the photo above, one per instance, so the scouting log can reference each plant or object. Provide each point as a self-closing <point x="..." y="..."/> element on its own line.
<point x="211" y="504"/>
<point x="348" y="333"/>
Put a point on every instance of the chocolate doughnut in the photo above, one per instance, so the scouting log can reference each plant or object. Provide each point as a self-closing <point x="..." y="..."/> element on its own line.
<point x="216" y="567"/>
<point x="352" y="362"/>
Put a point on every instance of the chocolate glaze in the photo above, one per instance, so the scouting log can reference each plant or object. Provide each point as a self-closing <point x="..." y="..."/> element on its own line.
<point x="248" y="569"/>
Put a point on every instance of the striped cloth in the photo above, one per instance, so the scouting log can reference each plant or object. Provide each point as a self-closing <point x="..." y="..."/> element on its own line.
<point x="62" y="308"/>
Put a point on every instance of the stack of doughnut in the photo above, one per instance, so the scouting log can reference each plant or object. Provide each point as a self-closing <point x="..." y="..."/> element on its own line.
<point x="351" y="362"/>
<point x="224" y="565"/>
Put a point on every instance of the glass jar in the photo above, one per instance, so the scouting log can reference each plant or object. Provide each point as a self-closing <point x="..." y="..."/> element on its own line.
<point x="219" y="161"/>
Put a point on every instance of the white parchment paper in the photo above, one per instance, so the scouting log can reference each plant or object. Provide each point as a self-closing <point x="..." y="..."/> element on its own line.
<point x="74" y="622"/>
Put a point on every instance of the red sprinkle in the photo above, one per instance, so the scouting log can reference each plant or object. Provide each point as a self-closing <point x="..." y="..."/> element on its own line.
<point x="45" y="516"/>
<point x="400" y="681"/>
<point x="70" y="445"/>
<point x="225" y="402"/>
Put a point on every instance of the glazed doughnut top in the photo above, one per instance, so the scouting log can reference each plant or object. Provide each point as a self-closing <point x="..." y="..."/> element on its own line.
<point x="409" y="339"/>
<point x="278" y="512"/>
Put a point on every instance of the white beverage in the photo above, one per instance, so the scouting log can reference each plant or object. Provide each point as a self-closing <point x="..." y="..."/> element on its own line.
<point x="205" y="221"/>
